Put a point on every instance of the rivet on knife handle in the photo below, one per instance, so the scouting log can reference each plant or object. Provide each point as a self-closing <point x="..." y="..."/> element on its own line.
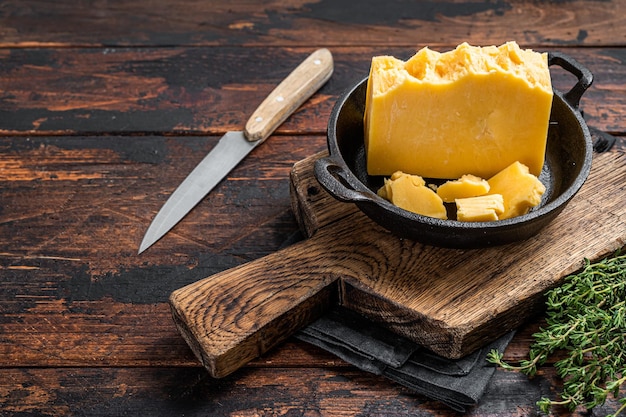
<point x="294" y="90"/>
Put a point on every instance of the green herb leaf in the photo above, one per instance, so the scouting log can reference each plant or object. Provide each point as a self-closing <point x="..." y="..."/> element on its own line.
<point x="586" y="318"/>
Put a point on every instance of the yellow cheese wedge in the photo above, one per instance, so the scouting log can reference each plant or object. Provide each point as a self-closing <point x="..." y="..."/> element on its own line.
<point x="465" y="187"/>
<point x="520" y="189"/>
<point x="484" y="208"/>
<point x="409" y="192"/>
<point x="386" y="190"/>
<point x="472" y="110"/>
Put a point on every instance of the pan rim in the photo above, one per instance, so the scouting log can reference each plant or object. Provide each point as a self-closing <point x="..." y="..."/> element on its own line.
<point x="555" y="205"/>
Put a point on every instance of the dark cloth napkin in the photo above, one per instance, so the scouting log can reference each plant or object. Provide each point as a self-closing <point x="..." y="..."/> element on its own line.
<point x="457" y="383"/>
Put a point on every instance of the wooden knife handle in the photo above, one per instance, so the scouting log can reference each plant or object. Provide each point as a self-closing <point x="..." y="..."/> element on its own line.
<point x="294" y="90"/>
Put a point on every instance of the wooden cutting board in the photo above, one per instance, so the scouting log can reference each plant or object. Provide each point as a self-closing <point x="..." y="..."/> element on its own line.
<point x="451" y="301"/>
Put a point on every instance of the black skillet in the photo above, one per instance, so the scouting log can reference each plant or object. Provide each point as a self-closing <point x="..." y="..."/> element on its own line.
<point x="568" y="162"/>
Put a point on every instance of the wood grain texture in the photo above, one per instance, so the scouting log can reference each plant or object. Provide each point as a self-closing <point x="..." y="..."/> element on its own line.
<point x="105" y="106"/>
<point x="290" y="94"/>
<point x="212" y="90"/>
<point x="230" y="318"/>
<point x="451" y="301"/>
<point x="73" y="290"/>
<point x="323" y="22"/>
<point x="328" y="391"/>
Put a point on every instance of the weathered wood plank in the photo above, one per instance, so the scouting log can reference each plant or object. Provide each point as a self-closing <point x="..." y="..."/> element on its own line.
<point x="92" y="95"/>
<point x="70" y="232"/>
<point x="305" y="23"/>
<point x="60" y="329"/>
<point x="167" y="391"/>
<point x="89" y="199"/>
<point x="208" y="91"/>
<point x="184" y="90"/>
<point x="450" y="301"/>
<point x="72" y="288"/>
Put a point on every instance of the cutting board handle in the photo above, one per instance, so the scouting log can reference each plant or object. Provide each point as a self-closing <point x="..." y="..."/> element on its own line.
<point x="235" y="316"/>
<point x="450" y="301"/>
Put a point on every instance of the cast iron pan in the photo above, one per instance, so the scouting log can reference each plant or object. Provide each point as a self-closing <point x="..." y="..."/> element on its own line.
<point x="568" y="162"/>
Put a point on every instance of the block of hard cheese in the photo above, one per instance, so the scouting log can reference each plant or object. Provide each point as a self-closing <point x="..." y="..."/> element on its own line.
<point x="472" y="110"/>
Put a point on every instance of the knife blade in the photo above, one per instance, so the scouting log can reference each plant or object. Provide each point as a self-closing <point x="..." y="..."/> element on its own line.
<point x="285" y="99"/>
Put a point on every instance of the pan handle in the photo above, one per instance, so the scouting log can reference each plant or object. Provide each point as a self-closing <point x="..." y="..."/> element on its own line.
<point x="602" y="141"/>
<point x="585" y="77"/>
<point x="333" y="178"/>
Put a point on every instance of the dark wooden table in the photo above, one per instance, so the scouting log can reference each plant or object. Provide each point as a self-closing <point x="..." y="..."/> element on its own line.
<point x="106" y="106"/>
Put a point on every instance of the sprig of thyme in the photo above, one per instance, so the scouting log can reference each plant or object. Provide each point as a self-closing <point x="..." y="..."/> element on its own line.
<point x="585" y="317"/>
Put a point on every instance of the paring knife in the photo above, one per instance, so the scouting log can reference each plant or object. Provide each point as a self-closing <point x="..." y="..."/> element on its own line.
<point x="294" y="90"/>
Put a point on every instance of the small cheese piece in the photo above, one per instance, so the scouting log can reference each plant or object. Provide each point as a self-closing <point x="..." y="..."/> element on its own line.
<point x="386" y="190"/>
<point x="465" y="187"/>
<point x="472" y="110"/>
<point x="409" y="192"/>
<point x="484" y="208"/>
<point x="520" y="189"/>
